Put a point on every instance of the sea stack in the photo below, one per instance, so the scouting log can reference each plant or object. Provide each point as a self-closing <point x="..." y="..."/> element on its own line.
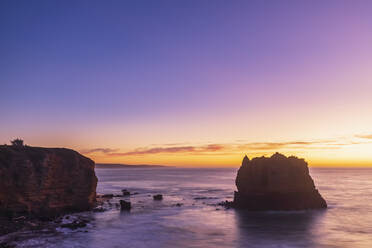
<point x="45" y="181"/>
<point x="276" y="183"/>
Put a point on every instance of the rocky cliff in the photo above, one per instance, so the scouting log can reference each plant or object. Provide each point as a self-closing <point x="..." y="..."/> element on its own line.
<point x="45" y="181"/>
<point x="276" y="183"/>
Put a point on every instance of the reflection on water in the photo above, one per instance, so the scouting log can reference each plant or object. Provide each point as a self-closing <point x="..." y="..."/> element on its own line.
<point x="199" y="222"/>
<point x="265" y="229"/>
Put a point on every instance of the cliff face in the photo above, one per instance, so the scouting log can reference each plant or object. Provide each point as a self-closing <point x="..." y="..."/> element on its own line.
<point x="45" y="181"/>
<point x="276" y="183"/>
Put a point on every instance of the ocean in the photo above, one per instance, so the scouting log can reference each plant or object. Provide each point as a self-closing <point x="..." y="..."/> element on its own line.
<point x="200" y="222"/>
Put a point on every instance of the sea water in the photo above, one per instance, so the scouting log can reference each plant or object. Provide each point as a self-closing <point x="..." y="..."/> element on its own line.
<point x="200" y="222"/>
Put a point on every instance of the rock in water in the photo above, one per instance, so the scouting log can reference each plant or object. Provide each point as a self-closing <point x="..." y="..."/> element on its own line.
<point x="158" y="197"/>
<point x="276" y="183"/>
<point x="125" y="205"/>
<point x="125" y="192"/>
<point x="45" y="181"/>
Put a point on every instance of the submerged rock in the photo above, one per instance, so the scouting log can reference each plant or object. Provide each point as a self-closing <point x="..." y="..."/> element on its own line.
<point x="109" y="196"/>
<point x="158" y="197"/>
<point x="45" y="181"/>
<point x="75" y="224"/>
<point x="125" y="205"/>
<point x="125" y="192"/>
<point x="276" y="183"/>
<point x="6" y="245"/>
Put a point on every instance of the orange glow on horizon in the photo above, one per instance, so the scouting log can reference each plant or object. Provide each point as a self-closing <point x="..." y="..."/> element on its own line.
<point x="350" y="155"/>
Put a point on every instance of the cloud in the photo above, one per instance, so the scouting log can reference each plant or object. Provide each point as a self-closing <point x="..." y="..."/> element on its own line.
<point x="259" y="146"/>
<point x="231" y="148"/>
<point x="101" y="150"/>
<point x="214" y="147"/>
<point x="368" y="136"/>
<point x="155" y="150"/>
<point x="176" y="149"/>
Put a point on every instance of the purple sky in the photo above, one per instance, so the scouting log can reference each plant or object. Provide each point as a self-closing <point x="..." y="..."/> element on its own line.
<point x="131" y="74"/>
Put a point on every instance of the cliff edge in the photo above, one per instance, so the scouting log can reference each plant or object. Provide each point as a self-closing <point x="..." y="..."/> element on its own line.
<point x="45" y="181"/>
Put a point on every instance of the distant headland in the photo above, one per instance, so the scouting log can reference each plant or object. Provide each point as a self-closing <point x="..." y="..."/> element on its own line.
<point x="120" y="166"/>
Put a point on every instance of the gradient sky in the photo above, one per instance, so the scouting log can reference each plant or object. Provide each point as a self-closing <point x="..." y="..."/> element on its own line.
<point x="192" y="83"/>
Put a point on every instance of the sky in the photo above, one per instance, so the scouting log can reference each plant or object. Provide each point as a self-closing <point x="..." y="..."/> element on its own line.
<point x="189" y="83"/>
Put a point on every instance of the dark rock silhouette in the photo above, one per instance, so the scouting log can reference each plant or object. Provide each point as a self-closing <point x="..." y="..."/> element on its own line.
<point x="75" y="224"/>
<point x="158" y="197"/>
<point x="125" y="205"/>
<point x="276" y="183"/>
<point x="125" y="192"/>
<point x="109" y="196"/>
<point x="45" y="181"/>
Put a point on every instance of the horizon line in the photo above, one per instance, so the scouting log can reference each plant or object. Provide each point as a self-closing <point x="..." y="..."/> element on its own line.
<point x="234" y="166"/>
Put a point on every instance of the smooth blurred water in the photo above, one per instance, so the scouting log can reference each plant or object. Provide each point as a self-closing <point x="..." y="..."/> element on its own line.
<point x="200" y="223"/>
